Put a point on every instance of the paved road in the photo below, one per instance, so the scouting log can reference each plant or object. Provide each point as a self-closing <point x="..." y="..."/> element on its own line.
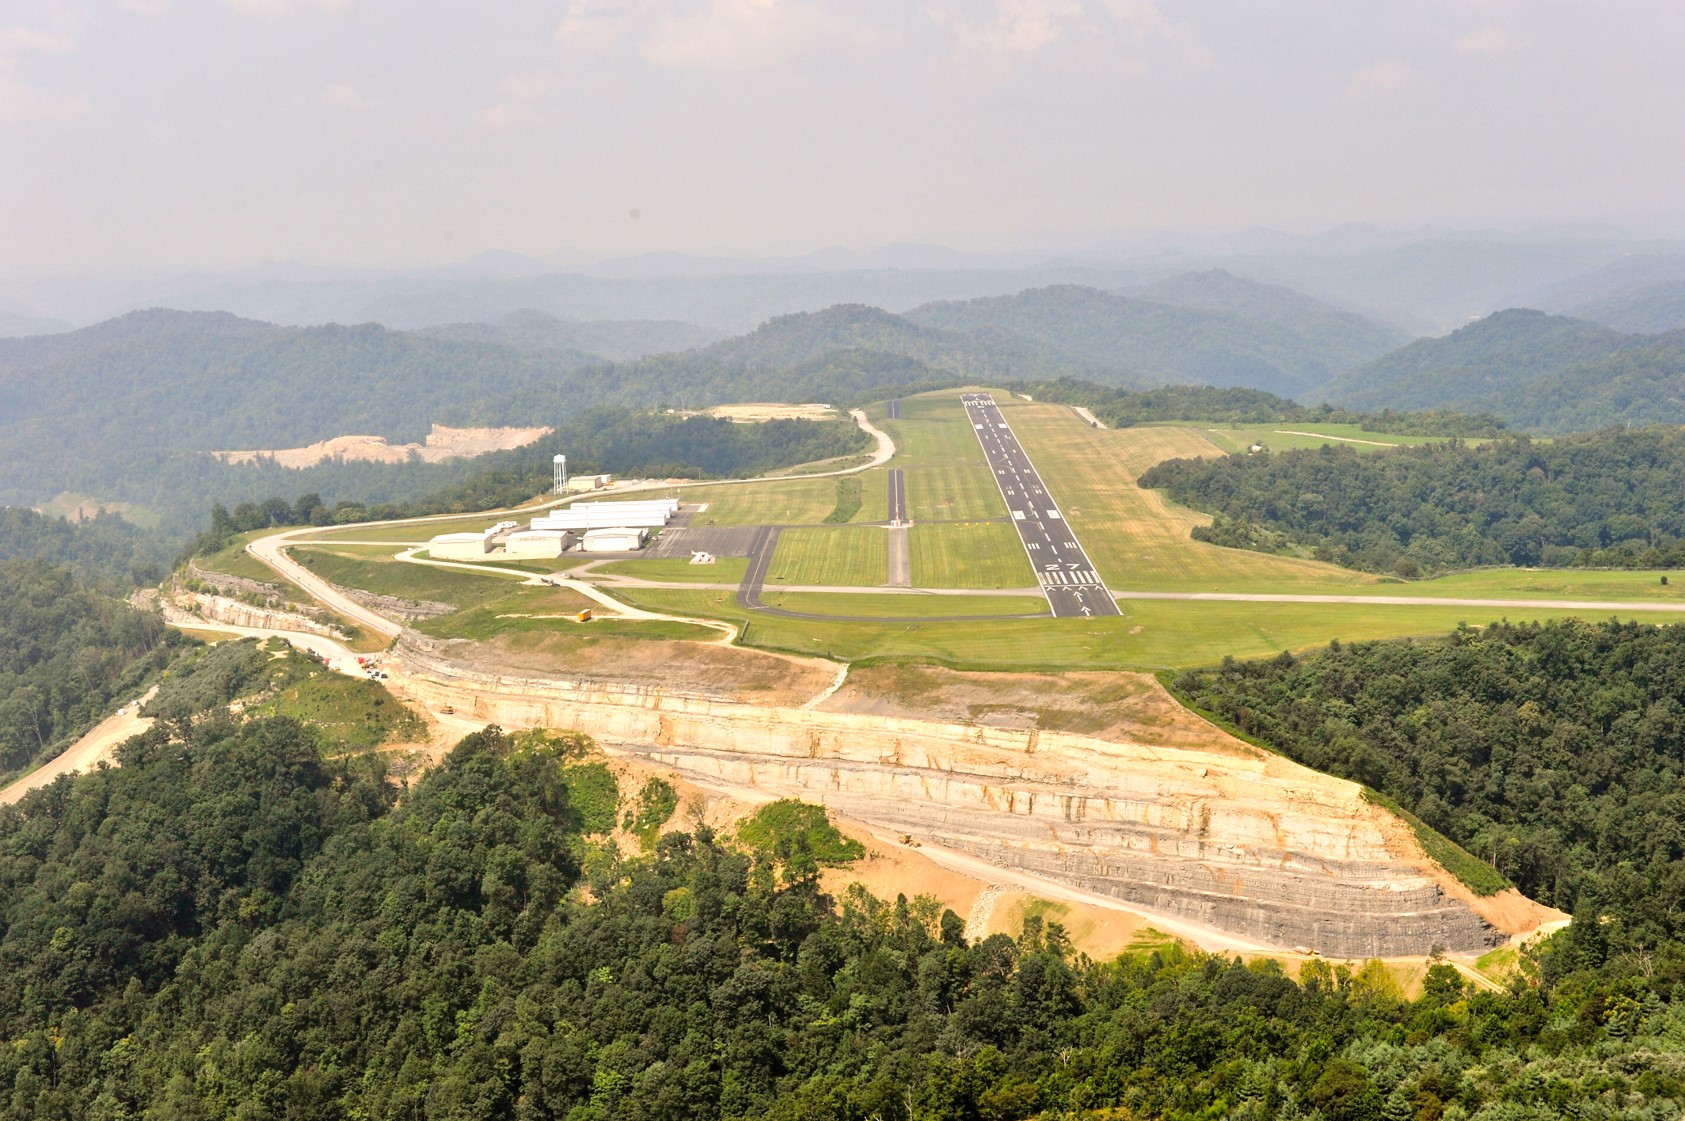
<point x="1067" y="576"/>
<point x="898" y="497"/>
<point x="760" y="559"/>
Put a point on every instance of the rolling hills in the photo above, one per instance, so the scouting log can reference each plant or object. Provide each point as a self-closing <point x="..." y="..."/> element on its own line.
<point x="1220" y="330"/>
<point x="1547" y="373"/>
<point x="531" y="330"/>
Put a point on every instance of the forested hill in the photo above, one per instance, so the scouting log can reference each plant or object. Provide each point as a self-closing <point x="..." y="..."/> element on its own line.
<point x="1541" y="372"/>
<point x="298" y="942"/>
<point x="68" y="653"/>
<point x="1604" y="499"/>
<point x="1552" y="751"/>
<point x="1348" y="337"/>
<point x="785" y="358"/>
<point x="1163" y="343"/>
<point x="168" y="379"/>
<point x="617" y="340"/>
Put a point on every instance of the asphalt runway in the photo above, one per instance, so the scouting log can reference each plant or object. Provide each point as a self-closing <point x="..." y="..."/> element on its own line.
<point x="893" y="411"/>
<point x="898" y="497"/>
<point x="1066" y="575"/>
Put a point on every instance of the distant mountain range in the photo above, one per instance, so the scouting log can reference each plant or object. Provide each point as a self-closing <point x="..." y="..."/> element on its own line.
<point x="1546" y="373"/>
<point x="618" y="340"/>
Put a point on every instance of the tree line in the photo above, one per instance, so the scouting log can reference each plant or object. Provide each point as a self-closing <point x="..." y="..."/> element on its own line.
<point x="1605" y="499"/>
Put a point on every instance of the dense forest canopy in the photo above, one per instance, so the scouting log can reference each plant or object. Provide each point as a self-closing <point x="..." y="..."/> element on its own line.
<point x="105" y="549"/>
<point x="1158" y="343"/>
<point x="1608" y="499"/>
<point x="1123" y="408"/>
<point x="1543" y="373"/>
<point x="68" y="653"/>
<point x="1555" y="751"/>
<point x="308" y="947"/>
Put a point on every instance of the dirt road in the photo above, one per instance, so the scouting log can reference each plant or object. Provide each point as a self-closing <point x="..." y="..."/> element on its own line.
<point x="82" y="755"/>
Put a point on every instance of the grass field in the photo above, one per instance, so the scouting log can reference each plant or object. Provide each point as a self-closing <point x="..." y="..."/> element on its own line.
<point x="969" y="555"/>
<point x="545" y="610"/>
<point x="397" y="578"/>
<point x="418" y="533"/>
<point x="789" y="502"/>
<point x="1149" y="635"/>
<point x="1283" y="437"/>
<point x="839" y="556"/>
<point x="724" y="570"/>
<point x="905" y="606"/>
<point x="953" y="494"/>
<point x="932" y="430"/>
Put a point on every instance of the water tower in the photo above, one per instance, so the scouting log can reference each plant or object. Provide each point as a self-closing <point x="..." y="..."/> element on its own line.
<point x="560" y="463"/>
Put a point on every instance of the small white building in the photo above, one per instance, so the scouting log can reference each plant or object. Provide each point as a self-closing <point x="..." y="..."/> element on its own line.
<point x="537" y="543"/>
<point x="579" y="484"/>
<point x="621" y="540"/>
<point x="460" y="546"/>
<point x="650" y="513"/>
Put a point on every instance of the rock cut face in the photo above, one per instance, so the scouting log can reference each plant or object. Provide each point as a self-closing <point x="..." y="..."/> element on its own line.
<point x="1231" y="839"/>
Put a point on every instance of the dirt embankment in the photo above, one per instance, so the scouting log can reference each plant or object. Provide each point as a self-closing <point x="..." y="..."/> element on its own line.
<point x="442" y="443"/>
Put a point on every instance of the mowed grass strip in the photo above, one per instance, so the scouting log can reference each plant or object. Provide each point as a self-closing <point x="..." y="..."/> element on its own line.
<point x="387" y="577"/>
<point x="932" y="429"/>
<point x="724" y="570"/>
<point x="787" y="502"/>
<point x="953" y="493"/>
<point x="1139" y="539"/>
<point x="1288" y="435"/>
<point x="905" y="606"/>
<point x="1148" y="635"/>
<point x="838" y="556"/>
<point x="969" y="555"/>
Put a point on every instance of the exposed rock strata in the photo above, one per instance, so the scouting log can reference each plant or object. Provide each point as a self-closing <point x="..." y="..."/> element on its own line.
<point x="1251" y="844"/>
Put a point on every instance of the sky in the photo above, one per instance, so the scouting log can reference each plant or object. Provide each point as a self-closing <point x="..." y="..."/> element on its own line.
<point x="153" y="134"/>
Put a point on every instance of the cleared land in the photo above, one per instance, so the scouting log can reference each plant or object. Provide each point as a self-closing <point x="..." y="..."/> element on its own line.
<point x="1282" y="437"/>
<point x="1173" y="634"/>
<point x="763" y="411"/>
<point x="953" y="494"/>
<point x="969" y="555"/>
<point x="931" y="431"/>
<point x="904" y="606"/>
<point x="724" y="570"/>
<point x="387" y="577"/>
<point x="838" y="556"/>
<point x="787" y="502"/>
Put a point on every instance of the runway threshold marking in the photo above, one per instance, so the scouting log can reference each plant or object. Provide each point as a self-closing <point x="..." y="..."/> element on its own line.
<point x="1067" y="577"/>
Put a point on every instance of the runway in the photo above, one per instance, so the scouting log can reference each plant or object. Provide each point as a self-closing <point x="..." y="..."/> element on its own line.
<point x="1068" y="578"/>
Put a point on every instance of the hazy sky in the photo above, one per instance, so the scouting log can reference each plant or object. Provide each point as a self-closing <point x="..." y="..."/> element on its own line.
<point x="217" y="132"/>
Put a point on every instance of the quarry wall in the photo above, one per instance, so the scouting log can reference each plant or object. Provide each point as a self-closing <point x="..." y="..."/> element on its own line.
<point x="1241" y="841"/>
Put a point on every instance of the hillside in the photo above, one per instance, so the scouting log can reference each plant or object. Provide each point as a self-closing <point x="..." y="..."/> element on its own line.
<point x="530" y="330"/>
<point x="1156" y="342"/>
<point x="1544" y="372"/>
<point x="161" y="382"/>
<point x="1347" y="337"/>
<point x="795" y="358"/>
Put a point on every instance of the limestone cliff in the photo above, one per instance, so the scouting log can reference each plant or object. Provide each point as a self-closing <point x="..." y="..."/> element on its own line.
<point x="1231" y="838"/>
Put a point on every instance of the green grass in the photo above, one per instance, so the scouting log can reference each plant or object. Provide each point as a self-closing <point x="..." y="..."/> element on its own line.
<point x="1152" y="634"/>
<point x="551" y="610"/>
<point x="1282" y="437"/>
<point x="724" y="570"/>
<point x="848" y="501"/>
<point x="904" y="606"/>
<point x="788" y="502"/>
<point x="969" y="555"/>
<point x="845" y="556"/>
<point x="951" y="493"/>
<point x="418" y="533"/>
<point x="233" y="560"/>
<point x="399" y="578"/>
<point x="932" y="430"/>
<point x="357" y="713"/>
<point x="874" y="496"/>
